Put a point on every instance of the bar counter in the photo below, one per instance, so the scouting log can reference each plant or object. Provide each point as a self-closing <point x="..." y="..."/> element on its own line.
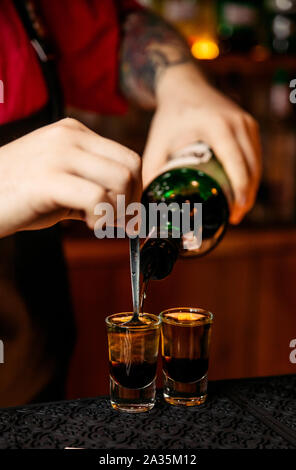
<point x="239" y="414"/>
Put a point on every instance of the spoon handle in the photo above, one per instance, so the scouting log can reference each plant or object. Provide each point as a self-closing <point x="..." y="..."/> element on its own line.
<point x="135" y="273"/>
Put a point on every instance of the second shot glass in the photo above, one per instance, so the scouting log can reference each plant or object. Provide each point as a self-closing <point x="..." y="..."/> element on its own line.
<point x="185" y="342"/>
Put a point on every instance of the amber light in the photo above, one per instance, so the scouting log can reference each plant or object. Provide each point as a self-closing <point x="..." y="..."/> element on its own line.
<point x="205" y="49"/>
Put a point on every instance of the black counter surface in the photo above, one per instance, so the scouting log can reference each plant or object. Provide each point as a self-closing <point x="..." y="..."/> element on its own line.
<point x="239" y="414"/>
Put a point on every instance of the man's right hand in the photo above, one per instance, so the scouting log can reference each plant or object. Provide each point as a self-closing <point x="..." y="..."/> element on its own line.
<point x="62" y="171"/>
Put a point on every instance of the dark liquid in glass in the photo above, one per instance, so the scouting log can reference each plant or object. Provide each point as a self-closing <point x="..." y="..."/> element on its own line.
<point x="134" y="375"/>
<point x="185" y="370"/>
<point x="185" y="346"/>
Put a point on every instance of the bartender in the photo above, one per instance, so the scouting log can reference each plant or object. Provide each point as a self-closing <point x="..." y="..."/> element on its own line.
<point x="53" y="169"/>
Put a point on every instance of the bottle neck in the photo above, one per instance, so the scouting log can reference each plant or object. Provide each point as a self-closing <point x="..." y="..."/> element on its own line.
<point x="158" y="257"/>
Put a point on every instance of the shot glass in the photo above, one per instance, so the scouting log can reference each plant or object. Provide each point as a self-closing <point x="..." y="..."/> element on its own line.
<point x="133" y="352"/>
<point x="185" y="342"/>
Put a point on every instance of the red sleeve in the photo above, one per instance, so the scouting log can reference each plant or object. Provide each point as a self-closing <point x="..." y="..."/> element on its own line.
<point x="86" y="35"/>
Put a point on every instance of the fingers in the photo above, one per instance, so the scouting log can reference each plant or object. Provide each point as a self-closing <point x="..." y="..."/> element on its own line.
<point x="254" y="135"/>
<point x="155" y="154"/>
<point x="98" y="170"/>
<point x="235" y="140"/>
<point x="117" y="170"/>
<point x="47" y="220"/>
<point x="248" y="140"/>
<point x="230" y="155"/>
<point x="63" y="171"/>
<point x="103" y="171"/>
<point x="100" y="160"/>
<point x="75" y="194"/>
<point x="96" y="144"/>
<point x="123" y="162"/>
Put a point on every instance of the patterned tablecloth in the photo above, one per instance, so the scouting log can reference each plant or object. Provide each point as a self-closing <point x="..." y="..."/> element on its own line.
<point x="239" y="414"/>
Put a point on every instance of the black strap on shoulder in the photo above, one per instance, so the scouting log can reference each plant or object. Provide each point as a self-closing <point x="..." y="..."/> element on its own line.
<point x="46" y="61"/>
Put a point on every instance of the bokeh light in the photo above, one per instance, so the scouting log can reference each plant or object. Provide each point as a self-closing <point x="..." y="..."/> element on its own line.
<point x="205" y="49"/>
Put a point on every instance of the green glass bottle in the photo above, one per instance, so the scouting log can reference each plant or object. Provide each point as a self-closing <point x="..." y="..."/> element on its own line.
<point x="193" y="175"/>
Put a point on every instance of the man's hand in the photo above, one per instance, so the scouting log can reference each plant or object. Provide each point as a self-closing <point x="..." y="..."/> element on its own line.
<point x="157" y="70"/>
<point x="62" y="171"/>
<point x="188" y="110"/>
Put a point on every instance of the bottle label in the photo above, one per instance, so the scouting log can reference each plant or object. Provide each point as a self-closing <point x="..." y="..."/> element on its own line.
<point x="200" y="156"/>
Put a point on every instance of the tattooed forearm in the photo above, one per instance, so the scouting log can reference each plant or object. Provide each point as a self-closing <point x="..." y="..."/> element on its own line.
<point x="149" y="47"/>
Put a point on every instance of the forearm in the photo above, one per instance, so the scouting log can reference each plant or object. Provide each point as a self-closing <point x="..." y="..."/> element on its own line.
<point x="152" y="49"/>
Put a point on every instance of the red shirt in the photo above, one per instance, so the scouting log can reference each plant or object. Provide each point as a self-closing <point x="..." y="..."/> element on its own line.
<point x="86" y="36"/>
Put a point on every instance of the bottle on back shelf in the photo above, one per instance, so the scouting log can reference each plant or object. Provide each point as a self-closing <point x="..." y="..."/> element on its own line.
<point x="193" y="175"/>
<point x="281" y="25"/>
<point x="279" y="144"/>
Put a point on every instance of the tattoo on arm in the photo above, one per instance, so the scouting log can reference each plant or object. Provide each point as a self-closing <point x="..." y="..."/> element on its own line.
<point x="149" y="47"/>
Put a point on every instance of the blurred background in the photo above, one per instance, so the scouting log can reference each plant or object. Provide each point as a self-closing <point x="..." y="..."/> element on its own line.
<point x="247" y="49"/>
